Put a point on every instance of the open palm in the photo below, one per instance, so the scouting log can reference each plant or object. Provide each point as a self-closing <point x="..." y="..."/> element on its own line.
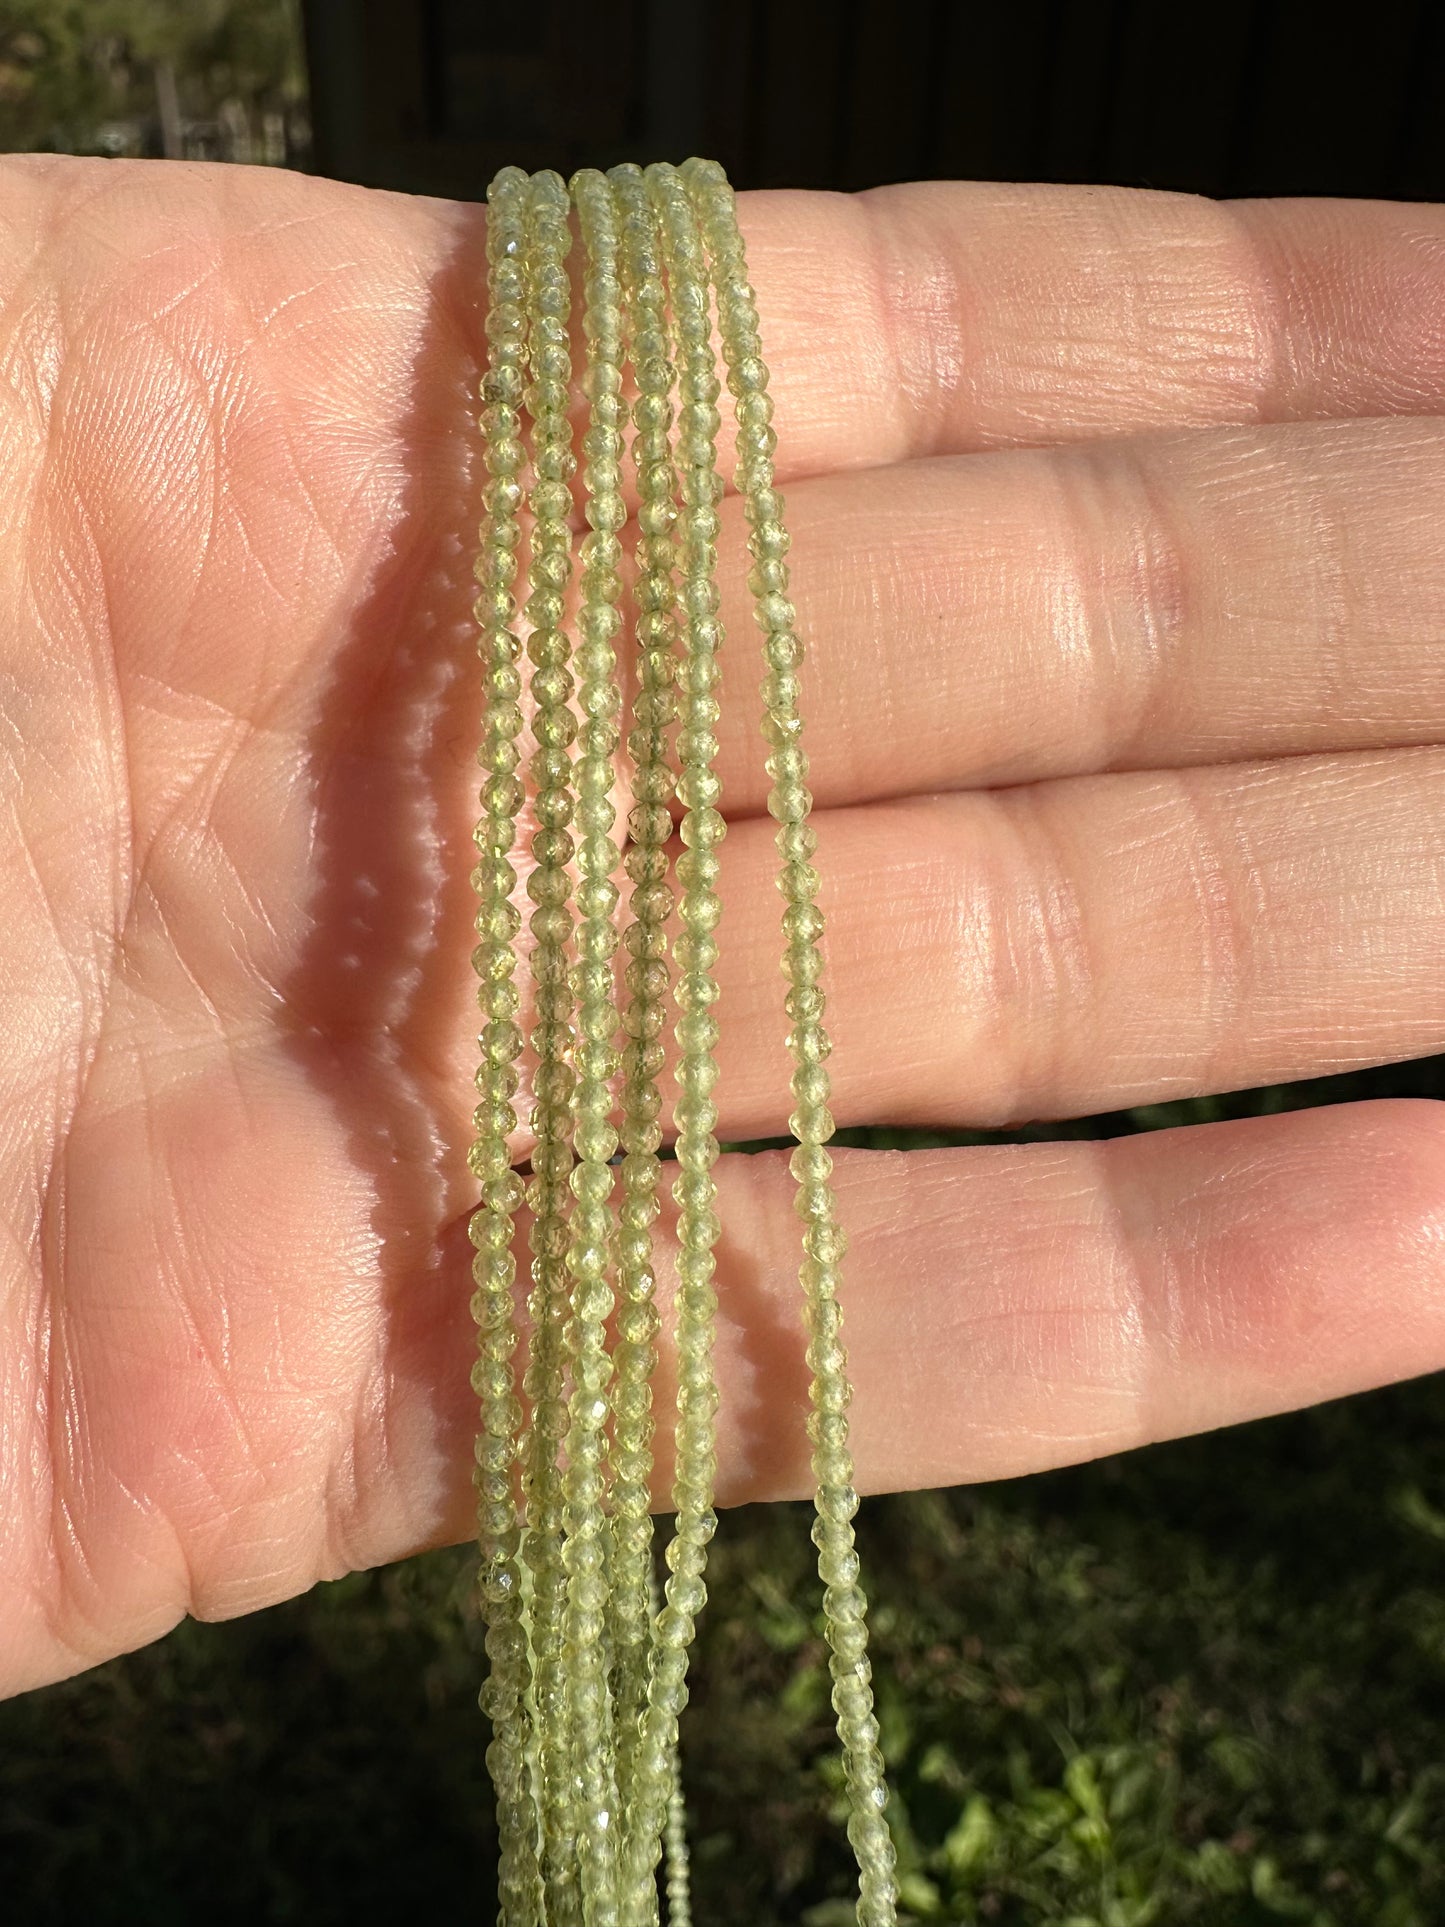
<point x="1120" y="553"/>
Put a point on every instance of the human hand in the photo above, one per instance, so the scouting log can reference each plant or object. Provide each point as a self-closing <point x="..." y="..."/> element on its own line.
<point x="1118" y="552"/>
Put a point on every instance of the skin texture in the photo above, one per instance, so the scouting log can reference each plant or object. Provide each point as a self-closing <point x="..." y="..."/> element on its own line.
<point x="1121" y="560"/>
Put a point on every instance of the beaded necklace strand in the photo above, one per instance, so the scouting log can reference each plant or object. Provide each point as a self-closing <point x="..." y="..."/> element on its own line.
<point x="588" y="1654"/>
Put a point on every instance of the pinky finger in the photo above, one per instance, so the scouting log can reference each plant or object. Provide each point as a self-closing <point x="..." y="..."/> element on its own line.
<point x="1008" y="1309"/>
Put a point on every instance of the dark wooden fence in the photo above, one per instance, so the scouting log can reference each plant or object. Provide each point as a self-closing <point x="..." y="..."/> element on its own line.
<point x="1235" y="97"/>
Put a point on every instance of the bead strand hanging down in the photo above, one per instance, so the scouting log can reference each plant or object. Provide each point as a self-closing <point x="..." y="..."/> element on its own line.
<point x="506" y="1693"/>
<point x="648" y="981"/>
<point x="699" y="789"/>
<point x="549" y="886"/>
<point x="588" y="1656"/>
<point x="592" y="1249"/>
<point x="824" y="1242"/>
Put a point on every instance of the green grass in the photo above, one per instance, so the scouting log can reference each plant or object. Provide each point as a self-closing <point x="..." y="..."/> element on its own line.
<point x="1204" y="1683"/>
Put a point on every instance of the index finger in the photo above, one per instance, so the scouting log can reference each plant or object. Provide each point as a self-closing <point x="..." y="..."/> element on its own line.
<point x="946" y="317"/>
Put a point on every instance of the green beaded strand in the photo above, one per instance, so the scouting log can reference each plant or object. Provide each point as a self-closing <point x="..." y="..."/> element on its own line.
<point x="678" y="1873"/>
<point x="554" y="727"/>
<point x="588" y="1669"/>
<point x="677" y="1864"/>
<point x="845" y="1605"/>
<point x="698" y="789"/>
<point x="504" y="1697"/>
<point x="647" y="976"/>
<point x="593" y="1225"/>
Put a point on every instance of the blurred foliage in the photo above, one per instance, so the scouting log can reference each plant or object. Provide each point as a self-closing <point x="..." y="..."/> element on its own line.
<point x="75" y="74"/>
<point x="1201" y="1685"/>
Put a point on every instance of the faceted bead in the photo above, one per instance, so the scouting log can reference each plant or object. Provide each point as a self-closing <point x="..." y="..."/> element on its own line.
<point x="799" y="882"/>
<point x="645" y="864"/>
<point x="811" y="1084"/>
<point x="702" y="910"/>
<point x="649" y="823"/>
<point x="802" y="966"/>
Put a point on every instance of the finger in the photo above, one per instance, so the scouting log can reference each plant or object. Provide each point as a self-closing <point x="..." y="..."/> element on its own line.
<point x="1073" y="947"/>
<point x="942" y="317"/>
<point x="1013" y="1308"/>
<point x="917" y="320"/>
<point x="1135" y="604"/>
<point x="1066" y="948"/>
<point x="1065" y="1301"/>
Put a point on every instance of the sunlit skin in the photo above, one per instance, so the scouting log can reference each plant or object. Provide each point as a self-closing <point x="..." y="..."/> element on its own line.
<point x="1119" y="548"/>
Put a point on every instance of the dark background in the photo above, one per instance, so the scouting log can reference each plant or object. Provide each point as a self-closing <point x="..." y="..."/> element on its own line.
<point x="1239" y="97"/>
<point x="1202" y="1683"/>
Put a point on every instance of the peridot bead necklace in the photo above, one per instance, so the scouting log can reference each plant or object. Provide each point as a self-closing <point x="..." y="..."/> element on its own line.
<point x="588" y="1658"/>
